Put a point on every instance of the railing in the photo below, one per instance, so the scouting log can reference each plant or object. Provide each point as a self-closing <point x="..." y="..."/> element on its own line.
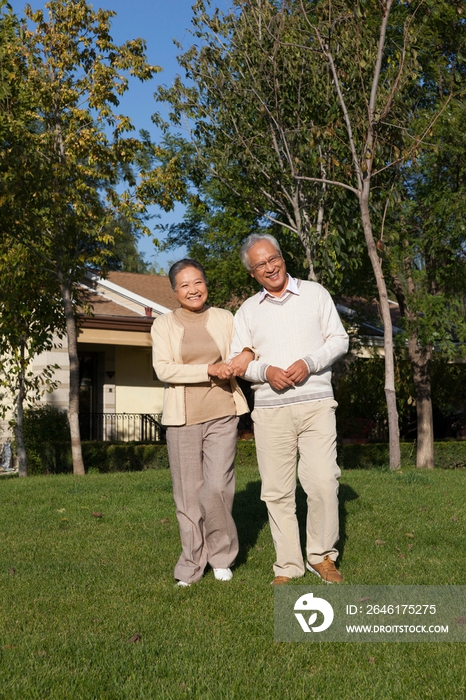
<point x="121" y="427"/>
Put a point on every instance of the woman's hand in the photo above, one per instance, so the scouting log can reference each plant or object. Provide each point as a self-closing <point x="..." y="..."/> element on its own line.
<point x="220" y="370"/>
<point x="239" y="364"/>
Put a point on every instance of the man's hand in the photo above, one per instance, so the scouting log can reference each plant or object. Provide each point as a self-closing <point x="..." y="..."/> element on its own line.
<point x="239" y="364"/>
<point x="278" y="378"/>
<point x="297" y="372"/>
<point x="220" y="370"/>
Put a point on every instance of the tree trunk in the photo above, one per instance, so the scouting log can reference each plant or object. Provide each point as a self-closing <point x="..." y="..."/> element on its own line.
<point x="19" y="430"/>
<point x="390" y="394"/>
<point x="73" y="409"/>
<point x="420" y="362"/>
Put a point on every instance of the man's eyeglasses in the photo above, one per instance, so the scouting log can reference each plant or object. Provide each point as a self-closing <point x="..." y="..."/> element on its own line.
<point x="260" y="267"/>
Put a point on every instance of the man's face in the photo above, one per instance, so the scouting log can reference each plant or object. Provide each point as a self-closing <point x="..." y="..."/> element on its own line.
<point x="271" y="275"/>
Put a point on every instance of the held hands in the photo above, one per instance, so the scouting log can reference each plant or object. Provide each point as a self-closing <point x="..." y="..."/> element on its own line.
<point x="278" y="378"/>
<point x="220" y="370"/>
<point x="239" y="364"/>
<point x="284" y="378"/>
<point x="235" y="368"/>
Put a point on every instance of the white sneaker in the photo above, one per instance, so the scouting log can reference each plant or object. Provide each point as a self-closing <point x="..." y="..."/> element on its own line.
<point x="183" y="584"/>
<point x="223" y="574"/>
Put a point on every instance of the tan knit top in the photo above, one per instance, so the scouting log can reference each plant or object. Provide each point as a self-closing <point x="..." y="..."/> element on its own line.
<point x="208" y="400"/>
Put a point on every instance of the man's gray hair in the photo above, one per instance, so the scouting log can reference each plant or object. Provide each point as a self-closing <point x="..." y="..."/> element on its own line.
<point x="252" y="240"/>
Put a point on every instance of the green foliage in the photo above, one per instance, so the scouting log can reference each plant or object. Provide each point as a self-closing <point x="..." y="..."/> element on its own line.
<point x="124" y="255"/>
<point x="359" y="390"/>
<point x="51" y="456"/>
<point x="31" y="318"/>
<point x="154" y="456"/>
<point x="64" y="140"/>
<point x="449" y="391"/>
<point x="426" y="237"/>
<point x="69" y="167"/>
<point x="46" y="435"/>
<point x="373" y="456"/>
<point x="259" y="104"/>
<point x="45" y="424"/>
<point x="450" y="454"/>
<point x="121" y="458"/>
<point x="214" y="227"/>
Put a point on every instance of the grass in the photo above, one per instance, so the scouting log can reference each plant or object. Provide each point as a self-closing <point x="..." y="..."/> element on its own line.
<point x="87" y="563"/>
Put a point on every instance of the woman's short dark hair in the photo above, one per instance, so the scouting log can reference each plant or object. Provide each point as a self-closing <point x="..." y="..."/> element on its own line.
<point x="181" y="265"/>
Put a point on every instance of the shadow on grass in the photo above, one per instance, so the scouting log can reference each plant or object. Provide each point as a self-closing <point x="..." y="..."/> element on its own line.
<point x="250" y="515"/>
<point x="345" y="494"/>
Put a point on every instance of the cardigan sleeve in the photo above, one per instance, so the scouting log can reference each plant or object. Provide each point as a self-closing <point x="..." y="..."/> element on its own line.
<point x="166" y="369"/>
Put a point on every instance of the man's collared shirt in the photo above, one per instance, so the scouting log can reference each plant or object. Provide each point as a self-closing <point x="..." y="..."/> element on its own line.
<point x="291" y="287"/>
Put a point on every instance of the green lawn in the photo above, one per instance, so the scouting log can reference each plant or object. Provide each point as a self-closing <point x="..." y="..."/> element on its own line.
<point x="75" y="588"/>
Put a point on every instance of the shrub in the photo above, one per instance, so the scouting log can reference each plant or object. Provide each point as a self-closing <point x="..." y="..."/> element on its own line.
<point x="47" y="439"/>
<point x="113" y="457"/>
<point x="154" y="456"/>
<point x="122" y="458"/>
<point x="450" y="454"/>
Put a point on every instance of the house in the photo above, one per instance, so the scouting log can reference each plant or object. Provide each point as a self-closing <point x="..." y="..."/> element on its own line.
<point x="120" y="395"/>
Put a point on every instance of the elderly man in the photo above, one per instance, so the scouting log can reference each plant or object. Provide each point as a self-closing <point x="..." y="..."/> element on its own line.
<point x="296" y="334"/>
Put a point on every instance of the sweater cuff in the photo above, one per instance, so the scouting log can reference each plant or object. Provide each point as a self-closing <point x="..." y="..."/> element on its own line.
<point x="263" y="372"/>
<point x="310" y="364"/>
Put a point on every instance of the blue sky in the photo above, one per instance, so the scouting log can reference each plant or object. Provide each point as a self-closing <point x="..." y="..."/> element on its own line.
<point x="158" y="22"/>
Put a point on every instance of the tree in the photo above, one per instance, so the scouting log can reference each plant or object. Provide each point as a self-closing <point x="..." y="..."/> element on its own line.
<point x="31" y="319"/>
<point x="65" y="150"/>
<point x="293" y="100"/>
<point x="124" y="254"/>
<point x="30" y="312"/>
<point x="257" y="120"/>
<point x="426" y="258"/>
<point x="214" y="225"/>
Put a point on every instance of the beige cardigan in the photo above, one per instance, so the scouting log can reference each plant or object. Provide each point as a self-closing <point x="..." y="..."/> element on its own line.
<point x="167" y="335"/>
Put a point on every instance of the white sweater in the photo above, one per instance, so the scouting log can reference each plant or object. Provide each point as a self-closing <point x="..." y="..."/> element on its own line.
<point x="283" y="330"/>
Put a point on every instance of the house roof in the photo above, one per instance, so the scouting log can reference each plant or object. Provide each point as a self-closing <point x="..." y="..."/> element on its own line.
<point x="102" y="306"/>
<point x="156" y="288"/>
<point x="124" y="301"/>
<point x="365" y="314"/>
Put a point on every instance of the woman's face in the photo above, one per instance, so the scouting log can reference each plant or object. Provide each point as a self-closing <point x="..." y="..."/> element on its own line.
<point x="191" y="289"/>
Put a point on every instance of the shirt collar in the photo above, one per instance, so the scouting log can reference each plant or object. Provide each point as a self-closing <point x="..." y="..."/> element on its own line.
<point x="291" y="287"/>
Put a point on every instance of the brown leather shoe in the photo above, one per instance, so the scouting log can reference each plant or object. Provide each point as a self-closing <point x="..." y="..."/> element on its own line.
<point x="326" y="570"/>
<point x="280" y="580"/>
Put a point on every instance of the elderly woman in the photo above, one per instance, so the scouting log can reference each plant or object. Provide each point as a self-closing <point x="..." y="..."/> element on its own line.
<point x="202" y="402"/>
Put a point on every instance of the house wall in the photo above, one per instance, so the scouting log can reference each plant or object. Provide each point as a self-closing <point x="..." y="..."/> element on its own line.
<point x="136" y="388"/>
<point x="57" y="356"/>
<point x="123" y="379"/>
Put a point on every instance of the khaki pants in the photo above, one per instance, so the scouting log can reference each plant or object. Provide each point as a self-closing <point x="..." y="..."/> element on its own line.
<point x="202" y="468"/>
<point x="280" y="433"/>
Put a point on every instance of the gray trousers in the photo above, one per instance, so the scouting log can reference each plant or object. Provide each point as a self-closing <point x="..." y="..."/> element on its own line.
<point x="202" y="468"/>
